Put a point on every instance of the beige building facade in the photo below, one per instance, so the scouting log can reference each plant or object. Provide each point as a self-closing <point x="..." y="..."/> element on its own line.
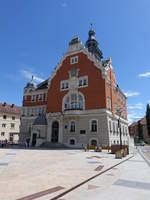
<point x="9" y="123"/>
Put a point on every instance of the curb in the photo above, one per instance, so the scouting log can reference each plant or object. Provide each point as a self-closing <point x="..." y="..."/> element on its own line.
<point x="144" y="157"/>
<point x="87" y="180"/>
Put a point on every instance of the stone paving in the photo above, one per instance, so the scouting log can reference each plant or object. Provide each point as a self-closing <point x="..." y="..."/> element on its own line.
<point x="43" y="174"/>
<point x="128" y="181"/>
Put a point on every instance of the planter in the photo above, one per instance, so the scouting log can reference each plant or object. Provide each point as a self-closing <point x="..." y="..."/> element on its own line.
<point x="118" y="155"/>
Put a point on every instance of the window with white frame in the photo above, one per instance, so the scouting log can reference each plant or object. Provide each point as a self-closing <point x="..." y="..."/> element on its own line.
<point x="94" y="125"/>
<point x="72" y="126"/>
<point x="73" y="101"/>
<point x="108" y="103"/>
<point x="64" y="85"/>
<point x="33" y="98"/>
<point x="110" y="128"/>
<point x="40" y="97"/>
<point x="114" y="130"/>
<point x="24" y="98"/>
<point x="74" y="60"/>
<point x="12" y="125"/>
<point x="83" y="81"/>
<point x="4" y="125"/>
<point x="2" y="133"/>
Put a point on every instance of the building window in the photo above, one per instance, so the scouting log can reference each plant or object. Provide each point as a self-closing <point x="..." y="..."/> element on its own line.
<point x="73" y="101"/>
<point x="72" y="142"/>
<point x="94" y="126"/>
<point x="24" y="98"/>
<point x="83" y="81"/>
<point x="74" y="60"/>
<point x="4" y="125"/>
<point x="13" y="117"/>
<point x="33" y="98"/>
<point x="114" y="127"/>
<point x="82" y="131"/>
<point x="110" y="128"/>
<point x="12" y="125"/>
<point x="64" y="85"/>
<point x="108" y="103"/>
<point x="2" y="133"/>
<point x="72" y="126"/>
<point x="80" y="82"/>
<point x="4" y="117"/>
<point x="40" y="97"/>
<point x="114" y="142"/>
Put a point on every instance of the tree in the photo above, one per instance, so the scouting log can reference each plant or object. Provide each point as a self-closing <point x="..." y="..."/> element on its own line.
<point x="148" y="118"/>
<point x="140" y="131"/>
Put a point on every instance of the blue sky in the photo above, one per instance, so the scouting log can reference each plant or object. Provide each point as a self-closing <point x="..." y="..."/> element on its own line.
<point x="34" y="34"/>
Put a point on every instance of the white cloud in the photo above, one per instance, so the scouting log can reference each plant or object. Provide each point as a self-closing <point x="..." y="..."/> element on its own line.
<point x="134" y="116"/>
<point x="131" y="94"/>
<point x="64" y="4"/>
<point x="28" y="75"/>
<point x="138" y="106"/>
<point x="145" y="75"/>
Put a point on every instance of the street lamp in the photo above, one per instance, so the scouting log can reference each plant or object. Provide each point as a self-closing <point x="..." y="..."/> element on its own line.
<point x="119" y="112"/>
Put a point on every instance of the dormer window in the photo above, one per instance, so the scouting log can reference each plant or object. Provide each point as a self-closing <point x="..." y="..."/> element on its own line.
<point x="74" y="60"/>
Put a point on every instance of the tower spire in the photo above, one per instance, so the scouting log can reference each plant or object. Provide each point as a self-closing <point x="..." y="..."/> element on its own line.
<point x="92" y="44"/>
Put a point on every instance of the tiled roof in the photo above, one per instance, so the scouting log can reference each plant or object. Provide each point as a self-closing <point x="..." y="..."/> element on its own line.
<point x="7" y="108"/>
<point x="143" y="121"/>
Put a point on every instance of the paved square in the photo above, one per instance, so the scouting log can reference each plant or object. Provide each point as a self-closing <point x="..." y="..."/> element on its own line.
<point x="26" y="172"/>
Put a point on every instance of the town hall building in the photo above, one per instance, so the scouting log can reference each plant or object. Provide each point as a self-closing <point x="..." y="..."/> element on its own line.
<point x="79" y="104"/>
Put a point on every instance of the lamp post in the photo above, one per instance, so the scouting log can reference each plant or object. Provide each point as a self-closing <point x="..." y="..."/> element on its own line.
<point x="119" y="112"/>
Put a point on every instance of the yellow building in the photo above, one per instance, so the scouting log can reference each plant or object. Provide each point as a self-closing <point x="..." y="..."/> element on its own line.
<point x="9" y="123"/>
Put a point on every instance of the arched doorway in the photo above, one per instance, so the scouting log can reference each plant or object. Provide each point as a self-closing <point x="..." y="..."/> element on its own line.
<point x="94" y="142"/>
<point x="34" y="136"/>
<point x="55" y="131"/>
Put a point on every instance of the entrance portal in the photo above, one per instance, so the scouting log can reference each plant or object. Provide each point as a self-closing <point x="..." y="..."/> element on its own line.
<point x="55" y="131"/>
<point x="93" y="142"/>
<point x="34" y="136"/>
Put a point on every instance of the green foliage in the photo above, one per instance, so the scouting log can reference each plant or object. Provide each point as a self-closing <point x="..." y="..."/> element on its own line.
<point x="148" y="118"/>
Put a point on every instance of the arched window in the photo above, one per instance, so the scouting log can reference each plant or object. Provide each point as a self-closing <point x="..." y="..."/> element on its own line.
<point x="94" y="125"/>
<point x="73" y="101"/>
<point x="72" y="126"/>
<point x="72" y="141"/>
